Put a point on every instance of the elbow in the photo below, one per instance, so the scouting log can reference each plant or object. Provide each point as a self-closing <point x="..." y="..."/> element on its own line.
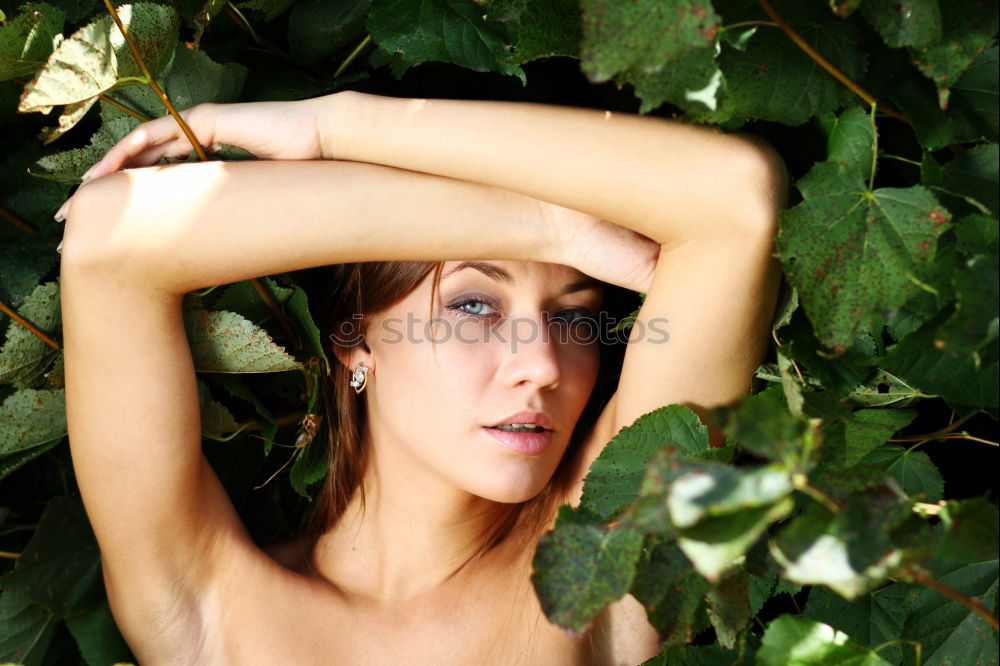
<point x="765" y="187"/>
<point x="88" y="231"/>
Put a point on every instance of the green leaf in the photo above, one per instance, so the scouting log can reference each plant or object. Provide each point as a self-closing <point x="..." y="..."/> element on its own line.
<point x="671" y="591"/>
<point x="950" y="373"/>
<point x="703" y="490"/>
<point x="851" y="551"/>
<point x="24" y="357"/>
<point x="646" y="35"/>
<point x="850" y="141"/>
<point x="692" y="82"/>
<point x="968" y="27"/>
<point x="226" y="342"/>
<point x="950" y="632"/>
<point x="973" y="175"/>
<point x="13" y="462"/>
<point x="95" y="59"/>
<point x="69" y="165"/>
<point x="580" y="569"/>
<point x="31" y="418"/>
<point x="976" y="234"/>
<point x="244" y="299"/>
<point x="22" y="265"/>
<point x="882" y="390"/>
<point x="729" y="608"/>
<point x="60" y="569"/>
<point x="797" y="641"/>
<point x="27" y="41"/>
<point x="98" y="637"/>
<point x="852" y="252"/>
<point x="268" y="9"/>
<point x="972" y="530"/>
<point x="764" y="427"/>
<point x="216" y="421"/>
<point x="548" y="28"/>
<point x="916" y="474"/>
<point x="975" y="94"/>
<point x="194" y="78"/>
<point x="26" y="629"/>
<point x="873" y="619"/>
<point x="616" y="475"/>
<point x="773" y="79"/>
<point x="319" y="28"/>
<point x="905" y="22"/>
<point x="665" y="49"/>
<point x="297" y="309"/>
<point x="442" y="30"/>
<point x="851" y="436"/>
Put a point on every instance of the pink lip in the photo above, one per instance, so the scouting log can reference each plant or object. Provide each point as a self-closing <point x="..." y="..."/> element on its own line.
<point x="522" y="443"/>
<point x="528" y="417"/>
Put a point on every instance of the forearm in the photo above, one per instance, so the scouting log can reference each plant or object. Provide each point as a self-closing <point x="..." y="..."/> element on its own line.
<point x="193" y="225"/>
<point x="667" y="180"/>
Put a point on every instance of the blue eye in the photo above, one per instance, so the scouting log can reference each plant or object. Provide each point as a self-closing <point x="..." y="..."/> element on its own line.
<point x="475" y="307"/>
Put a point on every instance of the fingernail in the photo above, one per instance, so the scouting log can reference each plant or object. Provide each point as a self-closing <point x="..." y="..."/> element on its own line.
<point x="60" y="215"/>
<point x="59" y="247"/>
<point x="86" y="176"/>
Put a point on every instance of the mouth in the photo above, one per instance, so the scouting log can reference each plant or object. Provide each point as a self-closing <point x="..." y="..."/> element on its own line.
<point x="527" y="441"/>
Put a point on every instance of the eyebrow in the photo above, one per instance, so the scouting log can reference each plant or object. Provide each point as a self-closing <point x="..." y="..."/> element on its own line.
<point x="500" y="275"/>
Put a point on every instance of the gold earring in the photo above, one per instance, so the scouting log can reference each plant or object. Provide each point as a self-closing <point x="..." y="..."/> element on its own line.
<point x="360" y="379"/>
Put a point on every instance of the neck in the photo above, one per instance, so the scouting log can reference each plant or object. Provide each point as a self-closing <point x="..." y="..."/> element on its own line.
<point x="410" y="536"/>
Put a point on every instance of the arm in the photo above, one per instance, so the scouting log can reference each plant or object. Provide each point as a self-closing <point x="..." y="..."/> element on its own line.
<point x="135" y="242"/>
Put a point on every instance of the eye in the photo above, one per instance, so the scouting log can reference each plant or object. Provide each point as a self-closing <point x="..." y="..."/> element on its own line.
<point x="573" y="315"/>
<point x="475" y="307"/>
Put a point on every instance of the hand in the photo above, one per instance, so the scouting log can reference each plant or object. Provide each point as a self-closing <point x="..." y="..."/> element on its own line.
<point x="269" y="130"/>
<point x="604" y="250"/>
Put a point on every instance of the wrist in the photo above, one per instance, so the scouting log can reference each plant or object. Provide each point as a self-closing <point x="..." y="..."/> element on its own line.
<point x="343" y="119"/>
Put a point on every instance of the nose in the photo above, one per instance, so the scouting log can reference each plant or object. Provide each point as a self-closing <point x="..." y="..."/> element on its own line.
<point x="532" y="355"/>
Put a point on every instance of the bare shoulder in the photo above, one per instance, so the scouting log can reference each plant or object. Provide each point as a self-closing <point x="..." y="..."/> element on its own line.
<point x="622" y="634"/>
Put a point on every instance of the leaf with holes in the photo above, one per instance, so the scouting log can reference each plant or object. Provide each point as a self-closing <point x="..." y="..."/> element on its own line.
<point x="25" y="357"/>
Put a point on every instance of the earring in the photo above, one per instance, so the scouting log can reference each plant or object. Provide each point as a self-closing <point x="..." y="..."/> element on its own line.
<point x="360" y="379"/>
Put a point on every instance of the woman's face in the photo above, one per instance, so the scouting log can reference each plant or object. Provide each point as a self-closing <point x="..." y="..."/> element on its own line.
<point x="507" y="337"/>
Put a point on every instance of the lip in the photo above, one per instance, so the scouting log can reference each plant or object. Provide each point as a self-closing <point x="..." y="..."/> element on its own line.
<point x="522" y="443"/>
<point x="529" y="417"/>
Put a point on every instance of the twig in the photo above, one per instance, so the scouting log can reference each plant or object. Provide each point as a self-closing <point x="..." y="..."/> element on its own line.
<point x="974" y="605"/>
<point x="9" y="556"/>
<point x="18" y="223"/>
<point x="801" y="483"/>
<point x="272" y="305"/>
<point x="28" y="325"/>
<point x="352" y="56"/>
<point x="932" y="435"/>
<point x="154" y="85"/>
<point x="121" y="107"/>
<point x="244" y="24"/>
<point x="826" y="64"/>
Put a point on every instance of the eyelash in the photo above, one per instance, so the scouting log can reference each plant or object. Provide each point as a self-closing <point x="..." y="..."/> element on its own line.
<point x="582" y="312"/>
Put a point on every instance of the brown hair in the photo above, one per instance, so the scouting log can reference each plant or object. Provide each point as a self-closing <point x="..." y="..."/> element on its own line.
<point x="367" y="288"/>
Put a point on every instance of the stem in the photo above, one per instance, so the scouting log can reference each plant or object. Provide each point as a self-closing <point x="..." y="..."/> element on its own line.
<point x="18" y="223"/>
<point x="917" y="646"/>
<point x="154" y="85"/>
<point x="826" y="64"/>
<point x="352" y="56"/>
<point x="9" y="556"/>
<point x="900" y="159"/>
<point x="742" y="24"/>
<point x="974" y="605"/>
<point x="871" y="178"/>
<point x="272" y="305"/>
<point x="241" y="21"/>
<point x="932" y="435"/>
<point x="121" y="107"/>
<point x="801" y="482"/>
<point x="28" y="325"/>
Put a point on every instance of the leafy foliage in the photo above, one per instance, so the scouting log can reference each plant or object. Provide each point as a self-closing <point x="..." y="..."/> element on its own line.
<point x="850" y="517"/>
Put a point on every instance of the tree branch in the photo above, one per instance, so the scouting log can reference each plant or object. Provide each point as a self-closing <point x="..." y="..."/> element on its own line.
<point x="974" y="605"/>
<point x="826" y="64"/>
<point x="18" y="223"/>
<point x="6" y="309"/>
